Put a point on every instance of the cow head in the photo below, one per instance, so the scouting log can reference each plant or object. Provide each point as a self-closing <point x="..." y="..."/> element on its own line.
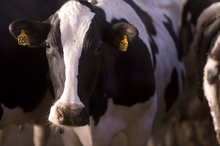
<point x="76" y="38"/>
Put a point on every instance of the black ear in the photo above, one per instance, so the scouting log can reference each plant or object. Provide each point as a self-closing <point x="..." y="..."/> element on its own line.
<point x="120" y="33"/>
<point x="36" y="31"/>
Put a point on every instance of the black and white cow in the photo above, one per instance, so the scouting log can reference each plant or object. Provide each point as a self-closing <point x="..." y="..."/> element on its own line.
<point x="115" y="65"/>
<point x="206" y="44"/>
<point x="24" y="94"/>
<point x="191" y="11"/>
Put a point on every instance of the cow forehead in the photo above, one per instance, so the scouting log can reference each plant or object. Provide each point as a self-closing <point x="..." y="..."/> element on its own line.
<point x="75" y="20"/>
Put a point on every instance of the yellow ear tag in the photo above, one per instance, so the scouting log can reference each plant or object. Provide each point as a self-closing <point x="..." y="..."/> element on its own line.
<point x="124" y="44"/>
<point x="23" y="39"/>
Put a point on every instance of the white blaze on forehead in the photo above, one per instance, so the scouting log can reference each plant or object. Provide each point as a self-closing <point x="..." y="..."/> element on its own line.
<point x="75" y="20"/>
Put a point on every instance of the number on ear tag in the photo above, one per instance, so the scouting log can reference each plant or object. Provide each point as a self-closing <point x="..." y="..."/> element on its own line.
<point x="23" y="39"/>
<point x="124" y="44"/>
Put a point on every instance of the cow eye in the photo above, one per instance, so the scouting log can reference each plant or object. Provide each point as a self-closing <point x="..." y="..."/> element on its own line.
<point x="99" y="47"/>
<point x="47" y="46"/>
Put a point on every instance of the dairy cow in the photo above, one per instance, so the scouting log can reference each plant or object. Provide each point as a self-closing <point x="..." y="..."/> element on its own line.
<point x="206" y="46"/>
<point x="115" y="65"/>
<point x="24" y="94"/>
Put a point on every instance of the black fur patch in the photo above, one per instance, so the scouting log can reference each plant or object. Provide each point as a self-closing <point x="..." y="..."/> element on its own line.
<point x="195" y="7"/>
<point x="55" y="34"/>
<point x="23" y="75"/>
<point x="128" y="77"/>
<point x="55" y="57"/>
<point x="134" y="74"/>
<point x="212" y="76"/>
<point x="172" y="90"/>
<point x="183" y="77"/>
<point x="169" y="27"/>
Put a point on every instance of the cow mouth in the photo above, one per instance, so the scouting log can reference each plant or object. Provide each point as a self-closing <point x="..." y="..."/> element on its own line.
<point x="72" y="117"/>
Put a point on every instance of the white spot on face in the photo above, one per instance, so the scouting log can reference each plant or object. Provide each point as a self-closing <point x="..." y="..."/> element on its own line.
<point x="75" y="20"/>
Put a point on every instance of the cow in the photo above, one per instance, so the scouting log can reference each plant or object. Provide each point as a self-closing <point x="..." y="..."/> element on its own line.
<point x="191" y="11"/>
<point x="205" y="44"/>
<point x="116" y="67"/>
<point x="24" y="80"/>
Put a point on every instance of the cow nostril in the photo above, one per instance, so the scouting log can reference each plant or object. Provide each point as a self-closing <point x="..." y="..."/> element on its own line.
<point x="60" y="114"/>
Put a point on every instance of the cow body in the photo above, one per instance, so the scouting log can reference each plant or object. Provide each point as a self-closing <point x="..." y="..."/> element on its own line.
<point x="101" y="88"/>
<point x="24" y="93"/>
<point x="206" y="45"/>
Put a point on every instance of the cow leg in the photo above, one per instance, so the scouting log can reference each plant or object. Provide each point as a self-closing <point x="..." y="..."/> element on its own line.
<point x="80" y="136"/>
<point x="85" y="135"/>
<point x="104" y="135"/>
<point x="70" y="138"/>
<point x="109" y="126"/>
<point x="41" y="133"/>
<point x="138" y="135"/>
<point x="3" y="133"/>
<point x="120" y="140"/>
<point x="139" y="132"/>
<point x="40" y="127"/>
<point x="133" y="124"/>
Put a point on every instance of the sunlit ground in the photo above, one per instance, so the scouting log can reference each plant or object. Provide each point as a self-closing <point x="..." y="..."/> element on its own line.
<point x="16" y="137"/>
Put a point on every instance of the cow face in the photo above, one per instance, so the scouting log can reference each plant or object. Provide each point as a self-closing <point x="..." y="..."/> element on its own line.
<point x="75" y="38"/>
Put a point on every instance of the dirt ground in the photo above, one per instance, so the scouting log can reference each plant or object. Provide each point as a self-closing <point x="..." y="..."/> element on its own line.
<point x="186" y="133"/>
<point x="191" y="133"/>
<point x="16" y="137"/>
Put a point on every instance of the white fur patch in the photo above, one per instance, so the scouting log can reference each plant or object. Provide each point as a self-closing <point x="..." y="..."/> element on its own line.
<point x="209" y="66"/>
<point x="75" y="20"/>
<point x="210" y="92"/>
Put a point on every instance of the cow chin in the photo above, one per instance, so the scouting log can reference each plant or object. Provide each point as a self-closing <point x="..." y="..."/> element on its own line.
<point x="69" y="115"/>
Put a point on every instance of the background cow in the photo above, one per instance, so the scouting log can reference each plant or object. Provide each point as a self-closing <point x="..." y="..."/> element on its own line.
<point x="24" y="93"/>
<point x="204" y="20"/>
<point x="111" y="77"/>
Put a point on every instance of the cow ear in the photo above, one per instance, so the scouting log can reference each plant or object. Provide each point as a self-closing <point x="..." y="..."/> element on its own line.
<point x="36" y="31"/>
<point x="121" y="34"/>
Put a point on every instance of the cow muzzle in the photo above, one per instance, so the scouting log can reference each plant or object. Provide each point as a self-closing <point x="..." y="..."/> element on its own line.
<point x="68" y="115"/>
